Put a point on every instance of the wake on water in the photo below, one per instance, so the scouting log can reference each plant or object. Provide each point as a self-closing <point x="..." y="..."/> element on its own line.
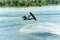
<point x="51" y="28"/>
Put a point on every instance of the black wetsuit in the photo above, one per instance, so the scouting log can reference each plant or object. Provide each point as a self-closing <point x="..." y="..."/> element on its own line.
<point x="24" y="17"/>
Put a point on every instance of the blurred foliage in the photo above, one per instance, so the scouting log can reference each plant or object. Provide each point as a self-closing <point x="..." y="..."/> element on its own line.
<point x="27" y="3"/>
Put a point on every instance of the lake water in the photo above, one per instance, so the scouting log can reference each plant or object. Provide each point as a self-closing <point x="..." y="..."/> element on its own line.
<point x="47" y="26"/>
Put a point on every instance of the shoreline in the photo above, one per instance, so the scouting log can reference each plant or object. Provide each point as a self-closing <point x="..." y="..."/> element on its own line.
<point x="29" y="9"/>
<point x="25" y="7"/>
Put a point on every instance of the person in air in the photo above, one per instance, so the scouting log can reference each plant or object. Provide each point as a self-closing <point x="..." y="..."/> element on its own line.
<point x="27" y="18"/>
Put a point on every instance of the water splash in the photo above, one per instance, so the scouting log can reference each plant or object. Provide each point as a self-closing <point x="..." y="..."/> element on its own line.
<point x="52" y="28"/>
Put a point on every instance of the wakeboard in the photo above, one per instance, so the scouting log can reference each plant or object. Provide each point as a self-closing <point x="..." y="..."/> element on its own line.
<point x="33" y="16"/>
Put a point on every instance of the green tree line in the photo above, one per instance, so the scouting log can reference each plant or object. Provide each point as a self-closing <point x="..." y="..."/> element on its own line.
<point x="27" y="3"/>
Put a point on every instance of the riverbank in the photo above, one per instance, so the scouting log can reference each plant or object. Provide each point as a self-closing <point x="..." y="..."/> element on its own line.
<point x="24" y="6"/>
<point x="30" y="9"/>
